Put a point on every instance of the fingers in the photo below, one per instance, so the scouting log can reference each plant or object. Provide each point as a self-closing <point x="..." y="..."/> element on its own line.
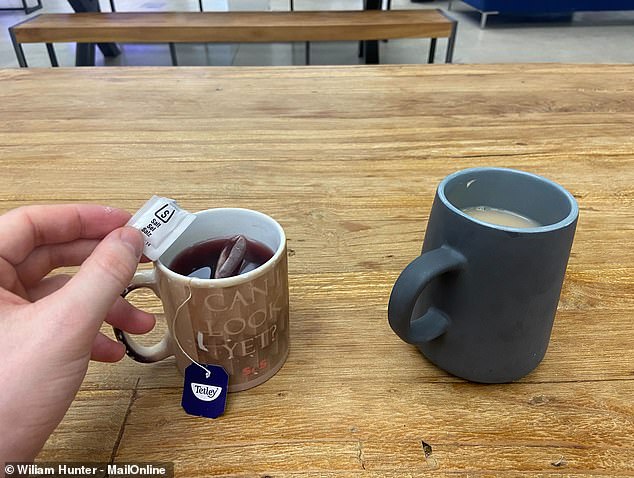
<point x="125" y="316"/>
<point x="46" y="258"/>
<point x="47" y="286"/>
<point x="24" y="229"/>
<point x="10" y="298"/>
<point x="86" y="299"/>
<point x="104" y="349"/>
<point x="10" y="280"/>
<point x="122" y="315"/>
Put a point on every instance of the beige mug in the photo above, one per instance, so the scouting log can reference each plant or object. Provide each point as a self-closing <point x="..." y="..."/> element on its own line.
<point x="239" y="322"/>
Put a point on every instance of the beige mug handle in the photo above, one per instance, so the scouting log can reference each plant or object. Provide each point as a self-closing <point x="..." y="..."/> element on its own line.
<point x="137" y="352"/>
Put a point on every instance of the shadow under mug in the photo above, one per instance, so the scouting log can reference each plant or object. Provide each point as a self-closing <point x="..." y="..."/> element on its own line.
<point x="240" y="322"/>
<point x="480" y="300"/>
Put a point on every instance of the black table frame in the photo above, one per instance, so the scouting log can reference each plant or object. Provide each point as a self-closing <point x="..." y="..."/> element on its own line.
<point x="24" y="7"/>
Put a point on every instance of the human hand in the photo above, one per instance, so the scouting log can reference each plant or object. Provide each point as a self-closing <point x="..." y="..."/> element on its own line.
<point x="49" y="326"/>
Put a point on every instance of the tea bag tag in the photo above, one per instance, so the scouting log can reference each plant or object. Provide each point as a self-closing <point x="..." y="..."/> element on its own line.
<point x="161" y="221"/>
<point x="205" y="390"/>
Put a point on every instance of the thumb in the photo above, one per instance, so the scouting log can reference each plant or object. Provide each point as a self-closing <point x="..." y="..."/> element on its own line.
<point x="86" y="299"/>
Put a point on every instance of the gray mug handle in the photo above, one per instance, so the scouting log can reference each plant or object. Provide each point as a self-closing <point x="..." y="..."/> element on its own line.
<point x="409" y="286"/>
<point x="134" y="350"/>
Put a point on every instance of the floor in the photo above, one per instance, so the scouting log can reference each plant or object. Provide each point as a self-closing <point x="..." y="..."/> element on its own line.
<point x="583" y="38"/>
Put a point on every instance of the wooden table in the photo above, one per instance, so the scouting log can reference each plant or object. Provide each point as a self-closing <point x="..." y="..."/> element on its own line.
<point x="347" y="159"/>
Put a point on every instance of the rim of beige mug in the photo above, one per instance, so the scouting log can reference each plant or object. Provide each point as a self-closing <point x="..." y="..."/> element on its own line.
<point x="235" y="280"/>
<point x="567" y="220"/>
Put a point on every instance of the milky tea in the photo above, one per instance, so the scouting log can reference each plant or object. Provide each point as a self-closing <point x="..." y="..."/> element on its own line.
<point x="500" y="217"/>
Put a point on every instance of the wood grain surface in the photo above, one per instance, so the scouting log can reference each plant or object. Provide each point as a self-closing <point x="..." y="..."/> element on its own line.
<point x="149" y="27"/>
<point x="347" y="159"/>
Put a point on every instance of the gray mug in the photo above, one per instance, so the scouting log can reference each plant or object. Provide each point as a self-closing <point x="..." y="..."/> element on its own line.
<point x="480" y="300"/>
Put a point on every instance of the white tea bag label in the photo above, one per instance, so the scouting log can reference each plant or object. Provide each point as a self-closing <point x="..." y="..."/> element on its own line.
<point x="161" y="221"/>
<point x="206" y="393"/>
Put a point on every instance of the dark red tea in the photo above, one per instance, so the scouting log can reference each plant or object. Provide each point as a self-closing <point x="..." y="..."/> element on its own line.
<point x="238" y="254"/>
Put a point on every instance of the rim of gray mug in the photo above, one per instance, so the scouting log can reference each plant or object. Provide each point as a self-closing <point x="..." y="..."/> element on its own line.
<point x="566" y="221"/>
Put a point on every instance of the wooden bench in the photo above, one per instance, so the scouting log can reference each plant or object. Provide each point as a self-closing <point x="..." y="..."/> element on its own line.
<point x="233" y="27"/>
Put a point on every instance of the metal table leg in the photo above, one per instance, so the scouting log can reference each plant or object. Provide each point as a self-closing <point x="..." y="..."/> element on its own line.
<point x="451" y="41"/>
<point x="51" y="54"/>
<point x="19" y="52"/>
<point x="173" y="54"/>
<point x="28" y="9"/>
<point x="432" y="50"/>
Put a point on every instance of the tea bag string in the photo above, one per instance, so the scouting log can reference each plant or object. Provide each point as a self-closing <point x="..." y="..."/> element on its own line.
<point x="177" y="341"/>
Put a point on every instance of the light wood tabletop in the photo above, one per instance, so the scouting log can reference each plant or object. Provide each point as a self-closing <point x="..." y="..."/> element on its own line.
<point x="347" y="159"/>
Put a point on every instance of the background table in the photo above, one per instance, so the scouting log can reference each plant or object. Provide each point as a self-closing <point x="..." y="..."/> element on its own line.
<point x="347" y="159"/>
<point x="85" y="54"/>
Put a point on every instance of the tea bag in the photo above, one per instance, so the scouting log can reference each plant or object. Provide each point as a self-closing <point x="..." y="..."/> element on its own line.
<point x="161" y="221"/>
<point x="231" y="257"/>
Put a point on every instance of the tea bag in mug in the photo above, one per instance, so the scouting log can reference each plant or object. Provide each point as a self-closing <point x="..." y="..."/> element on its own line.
<point x="239" y="322"/>
<point x="162" y="221"/>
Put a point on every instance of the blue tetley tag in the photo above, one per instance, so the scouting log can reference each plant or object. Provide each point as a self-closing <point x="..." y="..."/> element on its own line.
<point x="205" y="391"/>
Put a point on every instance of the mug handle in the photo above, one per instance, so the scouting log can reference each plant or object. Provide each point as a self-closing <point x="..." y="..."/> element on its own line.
<point x="135" y="351"/>
<point x="409" y="286"/>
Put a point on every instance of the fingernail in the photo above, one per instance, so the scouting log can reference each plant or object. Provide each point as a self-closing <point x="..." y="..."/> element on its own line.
<point x="133" y="238"/>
